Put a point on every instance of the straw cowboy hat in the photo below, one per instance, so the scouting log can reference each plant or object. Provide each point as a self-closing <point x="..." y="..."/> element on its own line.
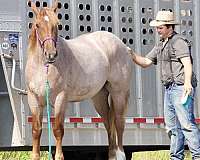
<point x="162" y="18"/>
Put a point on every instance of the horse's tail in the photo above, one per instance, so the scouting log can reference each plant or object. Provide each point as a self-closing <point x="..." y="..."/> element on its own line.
<point x="112" y="123"/>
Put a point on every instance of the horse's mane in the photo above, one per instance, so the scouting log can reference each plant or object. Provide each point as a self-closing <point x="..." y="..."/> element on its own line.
<point x="43" y="12"/>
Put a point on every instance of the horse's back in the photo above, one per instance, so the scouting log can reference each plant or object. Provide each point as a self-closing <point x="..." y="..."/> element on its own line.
<point x="103" y="38"/>
<point x="105" y="42"/>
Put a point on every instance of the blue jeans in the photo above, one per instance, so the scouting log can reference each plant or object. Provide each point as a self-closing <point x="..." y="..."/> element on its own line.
<point x="180" y="123"/>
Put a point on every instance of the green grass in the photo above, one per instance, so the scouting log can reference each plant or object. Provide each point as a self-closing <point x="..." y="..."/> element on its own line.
<point x="156" y="155"/>
<point x="148" y="155"/>
<point x="23" y="155"/>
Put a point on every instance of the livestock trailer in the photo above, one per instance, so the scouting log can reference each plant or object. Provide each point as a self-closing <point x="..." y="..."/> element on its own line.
<point x="129" y="20"/>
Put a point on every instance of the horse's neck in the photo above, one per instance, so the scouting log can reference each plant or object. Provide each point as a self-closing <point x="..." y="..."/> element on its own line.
<point x="63" y="48"/>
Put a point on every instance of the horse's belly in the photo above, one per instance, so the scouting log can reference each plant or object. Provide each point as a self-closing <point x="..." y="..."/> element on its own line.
<point x="88" y="91"/>
<point x="77" y="98"/>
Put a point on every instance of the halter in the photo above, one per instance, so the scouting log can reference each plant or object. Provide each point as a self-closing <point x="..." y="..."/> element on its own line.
<point x="48" y="38"/>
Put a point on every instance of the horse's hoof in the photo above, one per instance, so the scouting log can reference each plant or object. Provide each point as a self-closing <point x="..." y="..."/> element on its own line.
<point x="60" y="157"/>
<point x="120" y="155"/>
<point x="35" y="157"/>
<point x="117" y="155"/>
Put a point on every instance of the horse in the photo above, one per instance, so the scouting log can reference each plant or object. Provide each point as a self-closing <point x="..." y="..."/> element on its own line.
<point x="94" y="66"/>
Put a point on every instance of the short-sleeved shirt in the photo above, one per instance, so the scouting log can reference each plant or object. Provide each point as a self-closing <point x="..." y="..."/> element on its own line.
<point x="168" y="56"/>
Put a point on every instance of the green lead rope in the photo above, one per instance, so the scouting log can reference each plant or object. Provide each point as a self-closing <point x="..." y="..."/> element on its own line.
<point x="47" y="90"/>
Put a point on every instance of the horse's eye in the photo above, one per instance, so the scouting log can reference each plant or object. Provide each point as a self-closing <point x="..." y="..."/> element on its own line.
<point x="37" y="25"/>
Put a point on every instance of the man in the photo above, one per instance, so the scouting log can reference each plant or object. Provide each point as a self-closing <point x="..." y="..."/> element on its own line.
<point x="172" y="54"/>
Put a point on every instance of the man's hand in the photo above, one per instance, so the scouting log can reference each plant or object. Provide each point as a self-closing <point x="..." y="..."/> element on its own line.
<point x="139" y="60"/>
<point x="187" y="89"/>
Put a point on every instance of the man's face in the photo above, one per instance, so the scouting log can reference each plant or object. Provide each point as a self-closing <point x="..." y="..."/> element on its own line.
<point x="163" y="31"/>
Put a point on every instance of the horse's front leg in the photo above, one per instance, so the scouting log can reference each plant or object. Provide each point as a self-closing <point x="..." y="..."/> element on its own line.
<point x="37" y="114"/>
<point x="58" y="126"/>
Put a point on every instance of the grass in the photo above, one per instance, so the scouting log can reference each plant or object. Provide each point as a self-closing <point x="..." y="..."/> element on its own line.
<point x="148" y="155"/>
<point x="156" y="155"/>
<point x="23" y="155"/>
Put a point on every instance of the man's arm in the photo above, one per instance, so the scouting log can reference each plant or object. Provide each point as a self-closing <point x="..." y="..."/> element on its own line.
<point x="186" y="61"/>
<point x="141" y="61"/>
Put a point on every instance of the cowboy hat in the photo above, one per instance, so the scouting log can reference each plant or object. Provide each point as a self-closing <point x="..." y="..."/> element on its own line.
<point x="162" y="18"/>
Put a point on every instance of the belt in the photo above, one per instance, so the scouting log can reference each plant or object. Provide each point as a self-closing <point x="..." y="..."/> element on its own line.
<point x="170" y="84"/>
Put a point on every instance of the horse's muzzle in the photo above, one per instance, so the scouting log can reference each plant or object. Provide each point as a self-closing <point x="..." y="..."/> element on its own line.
<point x="51" y="57"/>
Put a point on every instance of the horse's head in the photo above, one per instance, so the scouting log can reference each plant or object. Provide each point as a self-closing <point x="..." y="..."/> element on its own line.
<point x="45" y="28"/>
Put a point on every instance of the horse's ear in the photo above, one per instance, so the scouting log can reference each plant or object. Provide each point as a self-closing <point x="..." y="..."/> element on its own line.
<point x="55" y="5"/>
<point x="33" y="7"/>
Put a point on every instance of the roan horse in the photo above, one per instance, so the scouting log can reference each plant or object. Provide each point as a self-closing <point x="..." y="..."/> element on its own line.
<point x="95" y="65"/>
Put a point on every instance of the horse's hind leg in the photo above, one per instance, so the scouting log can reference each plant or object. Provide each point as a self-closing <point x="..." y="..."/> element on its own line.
<point x="101" y="104"/>
<point x="120" y="100"/>
<point x="58" y="126"/>
<point x="37" y="113"/>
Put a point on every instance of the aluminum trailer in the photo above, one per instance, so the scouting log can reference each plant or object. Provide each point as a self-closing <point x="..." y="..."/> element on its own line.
<point x="129" y="20"/>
